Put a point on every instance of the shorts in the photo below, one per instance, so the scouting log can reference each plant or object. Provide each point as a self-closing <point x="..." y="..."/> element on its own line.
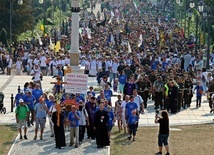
<point x="109" y="127"/>
<point x="163" y="139"/>
<point x="22" y="123"/>
<point x="40" y="122"/>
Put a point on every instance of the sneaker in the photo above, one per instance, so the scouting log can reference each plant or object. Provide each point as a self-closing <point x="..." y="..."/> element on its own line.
<point x="35" y="137"/>
<point x="41" y="138"/>
<point x="129" y="138"/>
<point x="167" y="153"/>
<point x="133" y="139"/>
<point x="159" y="153"/>
<point x="76" y="146"/>
<point x="20" y="137"/>
<point x="25" y="137"/>
<point x="52" y="135"/>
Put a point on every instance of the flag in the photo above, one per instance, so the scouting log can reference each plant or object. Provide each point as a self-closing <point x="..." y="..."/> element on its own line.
<point x="140" y="40"/>
<point x="129" y="48"/>
<point x="51" y="44"/>
<point x="88" y="32"/>
<point x="42" y="27"/>
<point x="40" y="40"/>
<point x="57" y="46"/>
<point x="112" y="16"/>
<point x="135" y="5"/>
<point x="201" y="38"/>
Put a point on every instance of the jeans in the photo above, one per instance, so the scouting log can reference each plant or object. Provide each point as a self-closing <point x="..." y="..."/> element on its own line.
<point x="81" y="132"/>
<point x="198" y="101"/>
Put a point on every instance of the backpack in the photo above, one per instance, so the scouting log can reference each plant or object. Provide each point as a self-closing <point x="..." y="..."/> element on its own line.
<point x="18" y="108"/>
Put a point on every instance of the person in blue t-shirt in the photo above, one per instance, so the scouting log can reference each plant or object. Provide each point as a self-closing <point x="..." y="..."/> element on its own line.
<point x="17" y="97"/>
<point x="37" y="92"/>
<point x="132" y="123"/>
<point x="41" y="111"/>
<point x="30" y="100"/>
<point x="110" y="120"/>
<point x="79" y="98"/>
<point x="199" y="93"/>
<point x="91" y="90"/>
<point x="108" y="93"/>
<point x="122" y="80"/>
<point x="74" y="117"/>
<point x="130" y="106"/>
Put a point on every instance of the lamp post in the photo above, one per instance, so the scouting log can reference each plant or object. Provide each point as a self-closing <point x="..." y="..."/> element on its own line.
<point x="206" y="15"/>
<point x="201" y="9"/>
<point x="189" y="14"/>
<point x="180" y="3"/>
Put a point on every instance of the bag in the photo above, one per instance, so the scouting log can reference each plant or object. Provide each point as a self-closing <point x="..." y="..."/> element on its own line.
<point x="203" y="78"/>
<point x="200" y="91"/>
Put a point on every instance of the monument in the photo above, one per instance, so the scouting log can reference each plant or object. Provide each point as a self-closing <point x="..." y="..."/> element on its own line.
<point x="74" y="50"/>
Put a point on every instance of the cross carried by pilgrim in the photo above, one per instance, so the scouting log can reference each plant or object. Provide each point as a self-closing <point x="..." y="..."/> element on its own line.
<point x="58" y="84"/>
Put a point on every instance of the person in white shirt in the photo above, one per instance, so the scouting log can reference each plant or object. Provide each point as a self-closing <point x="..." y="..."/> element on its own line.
<point x="29" y="65"/>
<point x="18" y="67"/>
<point x="67" y="60"/>
<point x="139" y="101"/>
<point x="10" y="63"/>
<point x="37" y="75"/>
<point x="114" y="69"/>
<point x="123" y="106"/>
<point x="43" y="65"/>
<point x="83" y="120"/>
<point x="93" y="67"/>
<point x="54" y="67"/>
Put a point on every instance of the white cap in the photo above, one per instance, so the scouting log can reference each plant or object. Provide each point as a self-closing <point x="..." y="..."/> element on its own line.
<point x="21" y="100"/>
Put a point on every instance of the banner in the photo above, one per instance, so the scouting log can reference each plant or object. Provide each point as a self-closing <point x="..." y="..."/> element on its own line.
<point x="76" y="83"/>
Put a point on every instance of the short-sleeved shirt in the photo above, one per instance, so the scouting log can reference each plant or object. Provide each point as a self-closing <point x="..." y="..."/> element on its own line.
<point x="40" y="110"/>
<point x="72" y="118"/>
<point x="138" y="100"/>
<point x="130" y="106"/>
<point x="37" y="93"/>
<point x="17" y="97"/>
<point x="30" y="99"/>
<point x="132" y="119"/>
<point x="21" y="111"/>
<point x="164" y="126"/>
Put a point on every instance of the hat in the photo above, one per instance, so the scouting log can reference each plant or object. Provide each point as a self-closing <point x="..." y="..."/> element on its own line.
<point x="21" y="100"/>
<point x="22" y="92"/>
<point x="175" y="55"/>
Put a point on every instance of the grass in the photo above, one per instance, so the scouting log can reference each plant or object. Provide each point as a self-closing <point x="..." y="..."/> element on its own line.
<point x="191" y="140"/>
<point x="7" y="136"/>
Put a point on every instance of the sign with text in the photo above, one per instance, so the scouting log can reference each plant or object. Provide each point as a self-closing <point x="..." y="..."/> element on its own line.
<point x="76" y="83"/>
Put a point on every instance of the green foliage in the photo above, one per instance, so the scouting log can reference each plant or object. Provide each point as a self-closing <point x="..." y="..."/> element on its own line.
<point x="21" y="17"/>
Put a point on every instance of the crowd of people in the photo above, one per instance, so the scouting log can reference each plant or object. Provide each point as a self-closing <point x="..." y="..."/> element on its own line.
<point x="133" y="47"/>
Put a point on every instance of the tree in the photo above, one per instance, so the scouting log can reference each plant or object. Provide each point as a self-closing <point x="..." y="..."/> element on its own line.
<point x="21" y="17"/>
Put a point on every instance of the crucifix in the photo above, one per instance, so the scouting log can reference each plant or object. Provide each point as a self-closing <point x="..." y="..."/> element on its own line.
<point x="58" y="83"/>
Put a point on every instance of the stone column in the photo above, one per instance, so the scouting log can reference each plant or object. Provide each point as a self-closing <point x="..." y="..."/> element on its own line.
<point x="74" y="51"/>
